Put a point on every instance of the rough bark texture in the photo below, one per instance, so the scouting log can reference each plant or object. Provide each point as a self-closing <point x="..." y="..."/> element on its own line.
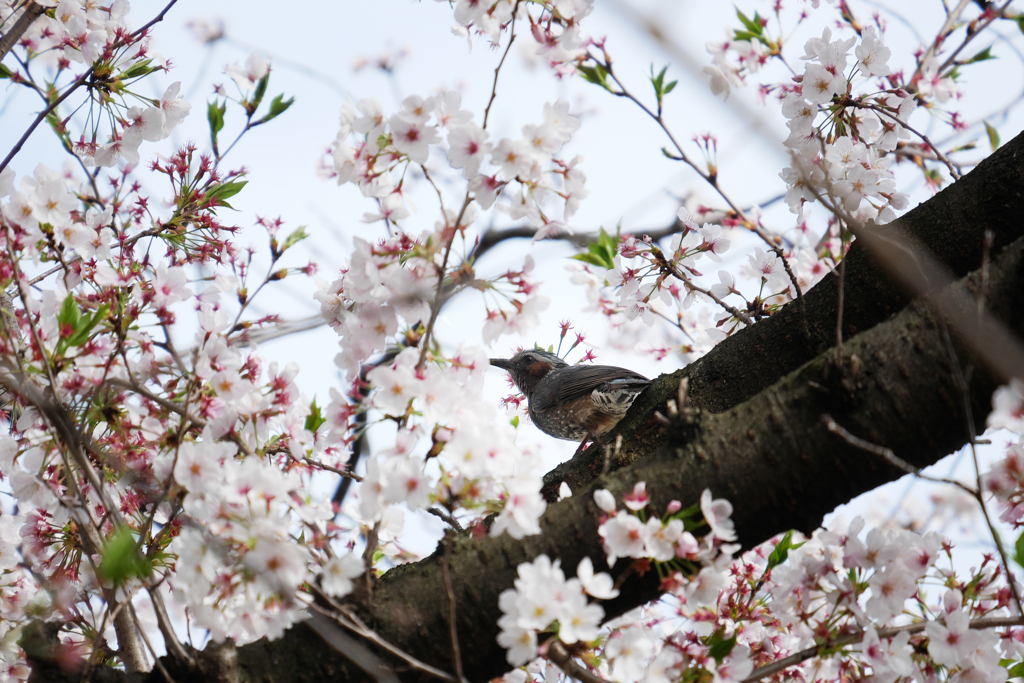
<point x="757" y="440"/>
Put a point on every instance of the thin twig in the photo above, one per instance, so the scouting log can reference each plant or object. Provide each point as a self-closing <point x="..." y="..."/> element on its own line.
<point x="444" y="515"/>
<point x="345" y="617"/>
<point x="888" y="455"/>
<point x="940" y="37"/>
<point x="497" y="69"/>
<point x="564" y="661"/>
<point x="779" y="665"/>
<point x="446" y="574"/>
<point x="435" y="306"/>
<point x="371" y="548"/>
<point x="942" y="157"/>
<point x="352" y="649"/>
<point x="149" y="645"/>
<point x="671" y="268"/>
<point x="710" y="179"/>
<point x="972" y="432"/>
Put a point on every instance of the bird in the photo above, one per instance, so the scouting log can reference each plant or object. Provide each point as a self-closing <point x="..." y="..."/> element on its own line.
<point x="572" y="402"/>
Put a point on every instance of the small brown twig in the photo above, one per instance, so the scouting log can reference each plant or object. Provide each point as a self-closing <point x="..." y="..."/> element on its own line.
<point x="561" y="658"/>
<point x="775" y="667"/>
<point x="371" y="548"/>
<point x="710" y="179"/>
<point x="345" y="617"/>
<point x="447" y="517"/>
<point x="453" y="631"/>
<point x="889" y="456"/>
<point x="497" y="69"/>
<point x="435" y="306"/>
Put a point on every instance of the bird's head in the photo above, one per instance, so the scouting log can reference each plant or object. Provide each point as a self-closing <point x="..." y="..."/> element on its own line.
<point x="527" y="368"/>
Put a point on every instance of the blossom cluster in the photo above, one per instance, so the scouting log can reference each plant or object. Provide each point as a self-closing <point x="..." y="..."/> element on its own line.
<point x="851" y="169"/>
<point x="1005" y="480"/>
<point x="642" y="274"/>
<point x="793" y="594"/>
<point x="371" y="149"/>
<point x="77" y="32"/>
<point x="97" y="36"/>
<point x="480" y="463"/>
<point x="202" y="459"/>
<point x="555" y="30"/>
<point x="544" y="601"/>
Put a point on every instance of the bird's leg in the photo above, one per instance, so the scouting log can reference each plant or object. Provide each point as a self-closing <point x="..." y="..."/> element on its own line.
<point x="590" y="438"/>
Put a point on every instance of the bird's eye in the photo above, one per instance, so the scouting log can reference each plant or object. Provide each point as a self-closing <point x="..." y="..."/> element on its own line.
<point x="529" y="358"/>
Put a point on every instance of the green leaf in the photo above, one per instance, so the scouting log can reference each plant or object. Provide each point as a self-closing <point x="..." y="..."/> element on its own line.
<point x="670" y="87"/>
<point x="261" y="90"/>
<point x="296" y="237"/>
<point x="993" y="136"/>
<point x="982" y="56"/>
<point x="315" y="418"/>
<point x="720" y="646"/>
<point x="121" y="558"/>
<point x="601" y="252"/>
<point x="658" y="81"/>
<point x="226" y="190"/>
<point x="781" y="551"/>
<point x="278" y="106"/>
<point x="753" y="25"/>
<point x="1017" y="671"/>
<point x="1020" y="22"/>
<point x="1018" y="550"/>
<point x="515" y="421"/>
<point x="138" y="69"/>
<point x="4" y="72"/>
<point x="215" y="115"/>
<point x="69" y="313"/>
<point x="595" y="74"/>
<point x="85" y="327"/>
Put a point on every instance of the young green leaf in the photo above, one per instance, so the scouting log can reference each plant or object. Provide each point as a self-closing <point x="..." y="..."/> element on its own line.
<point x="595" y="74"/>
<point x="215" y="115"/>
<point x="69" y="314"/>
<point x="122" y="560"/>
<point x="982" y="56"/>
<point x="781" y="551"/>
<point x="295" y="237"/>
<point x="720" y="646"/>
<point x="261" y="90"/>
<point x="278" y="106"/>
<point x="754" y="26"/>
<point x="226" y="190"/>
<point x="600" y="252"/>
<point x="993" y="136"/>
<point x="315" y="418"/>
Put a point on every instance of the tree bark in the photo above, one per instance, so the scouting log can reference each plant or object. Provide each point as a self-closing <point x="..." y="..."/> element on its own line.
<point x="756" y="438"/>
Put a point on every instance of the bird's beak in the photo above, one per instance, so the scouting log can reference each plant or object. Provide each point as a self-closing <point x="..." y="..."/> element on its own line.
<point x="502" y="363"/>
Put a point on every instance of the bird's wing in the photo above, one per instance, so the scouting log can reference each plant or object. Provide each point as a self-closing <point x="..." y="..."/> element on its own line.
<point x="582" y="381"/>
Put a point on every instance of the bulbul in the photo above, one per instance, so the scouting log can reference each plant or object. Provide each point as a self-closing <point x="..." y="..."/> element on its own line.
<point x="572" y="402"/>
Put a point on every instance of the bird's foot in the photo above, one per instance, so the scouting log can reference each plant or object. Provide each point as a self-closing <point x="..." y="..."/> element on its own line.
<point x="589" y="439"/>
